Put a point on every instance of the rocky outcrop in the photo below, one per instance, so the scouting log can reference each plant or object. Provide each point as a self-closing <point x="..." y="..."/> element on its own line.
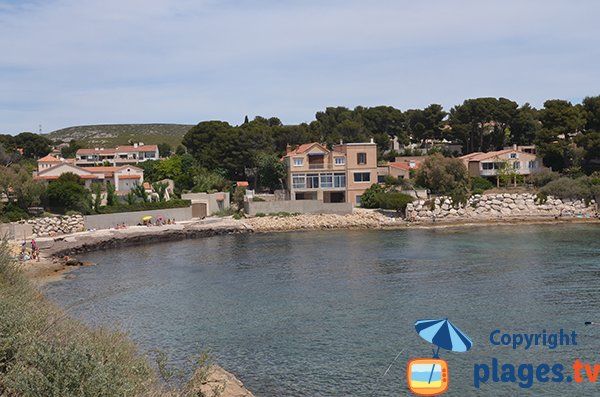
<point x="359" y="219"/>
<point x="491" y="207"/>
<point x="57" y="225"/>
<point x="114" y="239"/>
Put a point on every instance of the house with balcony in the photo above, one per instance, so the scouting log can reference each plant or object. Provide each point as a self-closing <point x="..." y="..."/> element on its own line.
<point x="492" y="164"/>
<point x="121" y="155"/>
<point x="336" y="175"/>
<point x="124" y="177"/>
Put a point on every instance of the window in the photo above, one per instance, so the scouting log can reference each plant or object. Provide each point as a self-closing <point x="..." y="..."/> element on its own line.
<point x="340" y="161"/>
<point x="532" y="164"/>
<point x="298" y="162"/>
<point x="514" y="156"/>
<point x="517" y="165"/>
<point x="492" y="166"/>
<point x="362" y="177"/>
<point x="358" y="200"/>
<point x="361" y="158"/>
<point x="326" y="180"/>
<point x="380" y="178"/>
<point x="298" y="181"/>
<point x="312" y="181"/>
<point x="339" y="180"/>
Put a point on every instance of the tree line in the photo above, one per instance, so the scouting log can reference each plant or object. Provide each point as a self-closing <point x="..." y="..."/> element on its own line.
<point x="567" y="135"/>
<point x="215" y="152"/>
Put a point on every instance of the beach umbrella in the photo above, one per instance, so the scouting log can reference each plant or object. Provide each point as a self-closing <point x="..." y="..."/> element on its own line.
<point x="444" y="334"/>
<point x="147" y="218"/>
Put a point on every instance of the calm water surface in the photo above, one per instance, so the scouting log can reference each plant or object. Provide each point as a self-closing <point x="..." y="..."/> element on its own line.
<point x="325" y="313"/>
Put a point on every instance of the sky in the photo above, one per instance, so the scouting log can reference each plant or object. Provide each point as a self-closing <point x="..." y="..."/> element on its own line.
<point x="75" y="62"/>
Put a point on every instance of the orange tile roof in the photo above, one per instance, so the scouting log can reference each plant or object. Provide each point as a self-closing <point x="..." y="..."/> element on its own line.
<point x="129" y="177"/>
<point x="400" y="165"/>
<point x="44" y="178"/>
<point x="479" y="156"/>
<point x="303" y="148"/>
<point x="242" y="183"/>
<point x="49" y="159"/>
<point x="405" y="165"/>
<point x="146" y="186"/>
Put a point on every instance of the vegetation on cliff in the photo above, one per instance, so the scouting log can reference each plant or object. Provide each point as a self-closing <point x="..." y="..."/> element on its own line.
<point x="44" y="353"/>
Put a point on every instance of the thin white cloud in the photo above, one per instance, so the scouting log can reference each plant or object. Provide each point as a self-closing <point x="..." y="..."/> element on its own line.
<point x="69" y="62"/>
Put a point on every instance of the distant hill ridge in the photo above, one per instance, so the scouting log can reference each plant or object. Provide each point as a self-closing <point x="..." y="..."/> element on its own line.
<point x="109" y="135"/>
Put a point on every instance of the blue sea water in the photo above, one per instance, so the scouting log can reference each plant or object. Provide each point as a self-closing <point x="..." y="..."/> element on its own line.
<point x="326" y="313"/>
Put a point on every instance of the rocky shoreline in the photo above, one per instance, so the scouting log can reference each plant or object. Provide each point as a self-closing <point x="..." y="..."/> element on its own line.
<point x="57" y="252"/>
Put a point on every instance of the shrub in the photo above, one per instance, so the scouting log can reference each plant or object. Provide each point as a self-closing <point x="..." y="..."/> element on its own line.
<point x="541" y="178"/>
<point x="443" y="175"/>
<point x="68" y="193"/>
<point x="111" y="196"/>
<point x="393" y="200"/>
<point x="238" y="197"/>
<point x="479" y="185"/>
<point x="225" y="212"/>
<point x="257" y="199"/>
<point x="237" y="215"/>
<point x="369" y="198"/>
<point x="13" y="213"/>
<point x="260" y="214"/>
<point x="564" y="188"/>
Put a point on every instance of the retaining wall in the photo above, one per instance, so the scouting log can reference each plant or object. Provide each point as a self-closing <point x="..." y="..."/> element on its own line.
<point x="296" y="206"/>
<point x="498" y="206"/>
<point x="15" y="230"/>
<point x="106" y="221"/>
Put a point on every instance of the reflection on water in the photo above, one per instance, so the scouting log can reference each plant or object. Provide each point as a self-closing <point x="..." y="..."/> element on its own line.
<point x="325" y="313"/>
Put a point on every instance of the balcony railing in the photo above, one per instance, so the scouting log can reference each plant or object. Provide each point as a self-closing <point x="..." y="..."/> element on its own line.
<point x="319" y="166"/>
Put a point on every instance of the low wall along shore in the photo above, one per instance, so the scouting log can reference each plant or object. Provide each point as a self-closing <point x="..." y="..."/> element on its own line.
<point x="498" y="206"/>
<point x="57" y="225"/>
<point x="296" y="206"/>
<point x="106" y="221"/>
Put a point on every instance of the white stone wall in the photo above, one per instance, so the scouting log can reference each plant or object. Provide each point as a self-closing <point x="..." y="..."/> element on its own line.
<point x="53" y="226"/>
<point x="498" y="206"/>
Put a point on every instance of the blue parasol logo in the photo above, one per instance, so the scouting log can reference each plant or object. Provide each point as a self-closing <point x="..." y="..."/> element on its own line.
<point x="429" y="377"/>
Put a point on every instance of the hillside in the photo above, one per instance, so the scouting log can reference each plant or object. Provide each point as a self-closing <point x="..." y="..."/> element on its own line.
<point x="109" y="135"/>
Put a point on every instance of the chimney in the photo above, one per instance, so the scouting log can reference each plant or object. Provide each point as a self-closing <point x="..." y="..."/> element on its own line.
<point x="372" y="140"/>
<point x="515" y="146"/>
<point x="135" y="145"/>
<point x="341" y="142"/>
<point x="288" y="148"/>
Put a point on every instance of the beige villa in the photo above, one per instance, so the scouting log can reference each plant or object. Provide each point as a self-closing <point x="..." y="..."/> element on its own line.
<point x="338" y="175"/>
<point x="123" y="178"/>
<point x="119" y="156"/>
<point x="488" y="164"/>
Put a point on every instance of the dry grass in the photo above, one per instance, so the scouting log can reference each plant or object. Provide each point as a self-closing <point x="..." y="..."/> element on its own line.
<point x="44" y="353"/>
